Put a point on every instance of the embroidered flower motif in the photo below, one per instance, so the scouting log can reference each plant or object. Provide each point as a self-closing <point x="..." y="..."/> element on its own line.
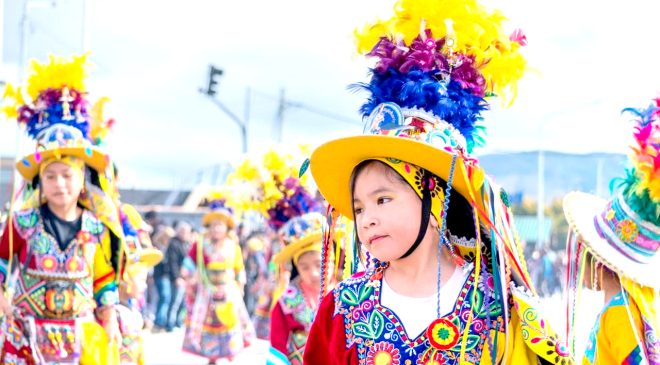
<point x="383" y="353"/>
<point x="48" y="263"/>
<point x="442" y="334"/>
<point x="84" y="237"/>
<point x="487" y="284"/>
<point x="610" y="214"/>
<point x="627" y="230"/>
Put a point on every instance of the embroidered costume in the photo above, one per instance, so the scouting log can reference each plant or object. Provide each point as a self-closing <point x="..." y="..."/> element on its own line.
<point x="217" y="323"/>
<point x="66" y="269"/>
<point x="294" y="312"/>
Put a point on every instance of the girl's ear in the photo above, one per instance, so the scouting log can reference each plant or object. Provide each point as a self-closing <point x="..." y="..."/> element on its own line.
<point x="434" y="222"/>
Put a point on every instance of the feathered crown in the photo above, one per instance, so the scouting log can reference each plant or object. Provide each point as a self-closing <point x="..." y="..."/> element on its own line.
<point x="441" y="59"/>
<point x="272" y="187"/>
<point x="217" y="202"/>
<point x="217" y="199"/>
<point x="56" y="112"/>
<point x="641" y="187"/>
<point x="57" y="95"/>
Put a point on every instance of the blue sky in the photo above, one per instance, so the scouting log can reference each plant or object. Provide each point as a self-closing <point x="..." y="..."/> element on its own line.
<point x="152" y="57"/>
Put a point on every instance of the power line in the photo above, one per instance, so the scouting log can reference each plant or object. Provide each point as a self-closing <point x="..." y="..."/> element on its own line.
<point x="311" y="109"/>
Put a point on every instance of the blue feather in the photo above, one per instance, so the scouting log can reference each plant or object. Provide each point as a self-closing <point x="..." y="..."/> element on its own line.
<point x="419" y="89"/>
<point x="51" y="116"/>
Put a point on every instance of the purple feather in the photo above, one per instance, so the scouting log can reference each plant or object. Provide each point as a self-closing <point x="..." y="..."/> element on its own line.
<point x="49" y="109"/>
<point x="426" y="55"/>
<point x="295" y="202"/>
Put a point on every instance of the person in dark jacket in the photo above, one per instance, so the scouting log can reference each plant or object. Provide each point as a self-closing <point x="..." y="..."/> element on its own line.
<point x="176" y="252"/>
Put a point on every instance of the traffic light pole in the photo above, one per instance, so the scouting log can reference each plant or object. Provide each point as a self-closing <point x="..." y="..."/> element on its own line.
<point x="242" y="125"/>
<point x="211" y="91"/>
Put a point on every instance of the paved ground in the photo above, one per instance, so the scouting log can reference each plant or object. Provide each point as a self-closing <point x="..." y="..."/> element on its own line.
<point x="165" y="349"/>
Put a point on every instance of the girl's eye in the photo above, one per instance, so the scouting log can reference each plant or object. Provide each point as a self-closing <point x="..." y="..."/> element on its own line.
<point x="384" y="200"/>
<point x="357" y="211"/>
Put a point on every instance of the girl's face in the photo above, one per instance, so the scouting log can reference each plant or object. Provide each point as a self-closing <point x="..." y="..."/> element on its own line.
<point x="218" y="230"/>
<point x="61" y="184"/>
<point x="387" y="212"/>
<point x="309" y="268"/>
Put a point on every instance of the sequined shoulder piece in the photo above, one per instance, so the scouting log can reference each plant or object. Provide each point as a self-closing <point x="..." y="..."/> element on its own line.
<point x="539" y="336"/>
<point x="25" y="221"/>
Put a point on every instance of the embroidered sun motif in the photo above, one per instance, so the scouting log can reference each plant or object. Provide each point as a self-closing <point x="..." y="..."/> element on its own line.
<point x="434" y="187"/>
<point x="442" y="334"/>
<point x="627" y="230"/>
<point x="383" y="353"/>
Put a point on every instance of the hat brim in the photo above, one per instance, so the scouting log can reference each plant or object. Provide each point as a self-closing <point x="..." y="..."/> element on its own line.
<point x="580" y="210"/>
<point x="225" y="217"/>
<point x="291" y="249"/>
<point x="149" y="257"/>
<point x="332" y="165"/>
<point x="28" y="166"/>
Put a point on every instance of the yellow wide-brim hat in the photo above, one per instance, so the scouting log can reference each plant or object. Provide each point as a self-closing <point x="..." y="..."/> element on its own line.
<point x="219" y="214"/>
<point x="332" y="165"/>
<point x="585" y="212"/>
<point x="147" y="256"/>
<point x="309" y="242"/>
<point x="29" y="165"/>
<point x="57" y="142"/>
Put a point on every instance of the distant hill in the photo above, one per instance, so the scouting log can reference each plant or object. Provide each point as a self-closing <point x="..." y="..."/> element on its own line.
<point x="518" y="172"/>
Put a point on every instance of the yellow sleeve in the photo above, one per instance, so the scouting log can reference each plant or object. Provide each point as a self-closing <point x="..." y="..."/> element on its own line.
<point x="531" y="337"/>
<point x="617" y="334"/>
<point x="105" y="281"/>
<point x="517" y="351"/>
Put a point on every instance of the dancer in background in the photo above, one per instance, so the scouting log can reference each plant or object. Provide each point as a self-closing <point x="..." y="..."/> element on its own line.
<point x="613" y="247"/>
<point x="217" y="323"/>
<point x="67" y="234"/>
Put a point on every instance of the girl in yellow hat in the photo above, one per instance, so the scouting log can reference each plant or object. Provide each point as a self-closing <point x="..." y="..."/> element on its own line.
<point x="67" y="236"/>
<point x="217" y="325"/>
<point x="447" y="283"/>
<point x="294" y="311"/>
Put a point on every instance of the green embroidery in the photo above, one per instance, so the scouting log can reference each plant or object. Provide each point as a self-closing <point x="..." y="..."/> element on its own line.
<point x="372" y="329"/>
<point x="28" y="219"/>
<point x="353" y="298"/>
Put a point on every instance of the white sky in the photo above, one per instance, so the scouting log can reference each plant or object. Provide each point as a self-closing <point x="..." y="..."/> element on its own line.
<point x="591" y="59"/>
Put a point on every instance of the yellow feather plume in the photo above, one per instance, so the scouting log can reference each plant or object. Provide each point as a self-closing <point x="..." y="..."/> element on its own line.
<point x="476" y="31"/>
<point x="254" y="184"/>
<point x="12" y="99"/>
<point x="99" y="126"/>
<point x="57" y="73"/>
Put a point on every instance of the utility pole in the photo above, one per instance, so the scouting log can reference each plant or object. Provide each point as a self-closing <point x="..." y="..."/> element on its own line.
<point x="279" y="120"/>
<point x="211" y="91"/>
